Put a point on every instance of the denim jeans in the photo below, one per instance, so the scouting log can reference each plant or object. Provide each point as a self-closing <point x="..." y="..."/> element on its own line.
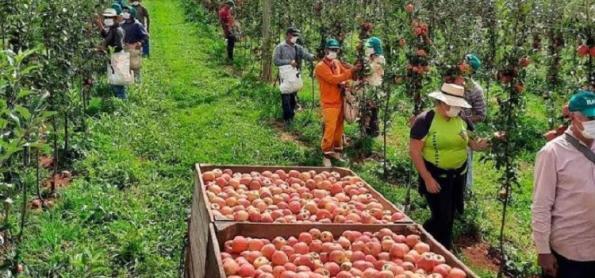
<point x="231" y="44"/>
<point x="288" y="103"/>
<point x="146" y="48"/>
<point x="119" y="91"/>
<point x="469" y="183"/>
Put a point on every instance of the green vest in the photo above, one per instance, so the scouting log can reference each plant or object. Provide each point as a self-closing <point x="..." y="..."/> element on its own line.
<point x="445" y="145"/>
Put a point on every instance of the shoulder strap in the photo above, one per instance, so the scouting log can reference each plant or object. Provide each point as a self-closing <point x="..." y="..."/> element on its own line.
<point x="581" y="148"/>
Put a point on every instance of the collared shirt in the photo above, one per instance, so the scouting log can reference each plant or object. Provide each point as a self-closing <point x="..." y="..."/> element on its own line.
<point x="564" y="201"/>
<point x="285" y="53"/>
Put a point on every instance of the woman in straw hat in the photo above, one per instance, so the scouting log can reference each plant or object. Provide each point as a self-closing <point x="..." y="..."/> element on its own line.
<point x="438" y="148"/>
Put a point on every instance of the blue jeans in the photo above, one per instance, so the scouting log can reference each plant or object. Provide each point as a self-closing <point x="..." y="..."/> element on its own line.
<point x="469" y="183"/>
<point x="146" y="48"/>
<point x="288" y="103"/>
<point x="119" y="91"/>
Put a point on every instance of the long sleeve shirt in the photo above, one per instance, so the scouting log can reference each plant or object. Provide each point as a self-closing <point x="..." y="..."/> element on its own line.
<point x="475" y="96"/>
<point x="563" y="210"/>
<point x="113" y="37"/>
<point x="330" y="74"/>
<point x="142" y="14"/>
<point x="285" y="53"/>
<point x="226" y="19"/>
<point x="134" y="31"/>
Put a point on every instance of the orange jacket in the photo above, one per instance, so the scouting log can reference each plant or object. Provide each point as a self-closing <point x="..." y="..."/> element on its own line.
<point x="329" y="80"/>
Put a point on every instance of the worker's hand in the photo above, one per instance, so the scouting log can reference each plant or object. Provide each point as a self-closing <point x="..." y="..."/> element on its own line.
<point x="99" y="21"/>
<point x="480" y="144"/>
<point x="358" y="67"/>
<point x="294" y="63"/>
<point x="432" y="185"/>
<point x="549" y="264"/>
<point x="411" y="120"/>
<point x="139" y="45"/>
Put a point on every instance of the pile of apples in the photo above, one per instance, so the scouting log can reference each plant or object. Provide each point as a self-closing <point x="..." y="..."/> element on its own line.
<point x="319" y="254"/>
<point x="293" y="197"/>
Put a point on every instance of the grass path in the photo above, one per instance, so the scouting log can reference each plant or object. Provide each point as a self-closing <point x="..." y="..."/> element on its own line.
<point x="125" y="214"/>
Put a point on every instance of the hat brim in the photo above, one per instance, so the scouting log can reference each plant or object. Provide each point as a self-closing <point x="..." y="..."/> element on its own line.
<point x="333" y="47"/>
<point x="450" y="100"/>
<point x="589" y="112"/>
<point x="110" y="15"/>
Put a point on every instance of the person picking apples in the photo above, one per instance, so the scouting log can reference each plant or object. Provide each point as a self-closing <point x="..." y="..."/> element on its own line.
<point x="475" y="96"/>
<point x="288" y="56"/>
<point x="439" y="140"/>
<point x="142" y="14"/>
<point x="135" y="35"/>
<point x="226" y="19"/>
<point x="374" y="59"/>
<point x="331" y="73"/>
<point x="563" y="209"/>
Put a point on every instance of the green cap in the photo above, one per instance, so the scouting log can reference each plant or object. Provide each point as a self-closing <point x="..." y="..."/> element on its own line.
<point x="332" y="44"/>
<point x="117" y="7"/>
<point x="376" y="43"/>
<point x="131" y="10"/>
<point x="473" y="61"/>
<point x="583" y="101"/>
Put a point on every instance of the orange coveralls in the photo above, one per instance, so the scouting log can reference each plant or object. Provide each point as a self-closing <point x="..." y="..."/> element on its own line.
<point x="331" y="73"/>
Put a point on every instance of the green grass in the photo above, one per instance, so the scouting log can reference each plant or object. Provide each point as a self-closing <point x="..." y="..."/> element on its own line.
<point x="125" y="215"/>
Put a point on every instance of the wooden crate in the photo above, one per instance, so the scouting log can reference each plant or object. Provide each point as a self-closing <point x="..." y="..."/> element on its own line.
<point x="200" y="168"/>
<point x="201" y="215"/>
<point x="220" y="232"/>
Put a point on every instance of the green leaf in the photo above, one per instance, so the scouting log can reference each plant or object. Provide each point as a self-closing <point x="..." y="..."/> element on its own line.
<point x="23" y="111"/>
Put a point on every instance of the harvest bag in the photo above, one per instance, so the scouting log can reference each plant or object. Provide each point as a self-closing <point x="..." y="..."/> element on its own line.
<point x="350" y="105"/>
<point x="118" y="69"/>
<point x="135" y="57"/>
<point x="291" y="81"/>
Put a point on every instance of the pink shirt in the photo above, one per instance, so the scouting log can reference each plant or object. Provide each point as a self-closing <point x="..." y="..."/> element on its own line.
<point x="564" y="201"/>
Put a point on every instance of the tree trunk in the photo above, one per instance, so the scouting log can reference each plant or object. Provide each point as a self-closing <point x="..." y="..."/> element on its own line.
<point x="267" y="63"/>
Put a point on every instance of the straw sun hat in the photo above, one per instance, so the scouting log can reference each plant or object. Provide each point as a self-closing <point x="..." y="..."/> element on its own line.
<point x="451" y="94"/>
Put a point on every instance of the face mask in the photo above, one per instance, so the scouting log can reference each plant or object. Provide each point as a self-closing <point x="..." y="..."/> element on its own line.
<point x="369" y="51"/>
<point x="589" y="129"/>
<point x="293" y="40"/>
<point x="109" y="22"/>
<point x="454" y="111"/>
<point x="332" y="55"/>
<point x="126" y="15"/>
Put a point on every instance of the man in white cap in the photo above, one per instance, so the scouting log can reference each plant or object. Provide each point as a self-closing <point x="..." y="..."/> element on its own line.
<point x="113" y="39"/>
<point x="563" y="207"/>
<point x="438" y="147"/>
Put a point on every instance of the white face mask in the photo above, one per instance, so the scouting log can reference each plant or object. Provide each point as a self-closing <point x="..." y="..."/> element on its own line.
<point x="332" y="55"/>
<point x="454" y="111"/>
<point x="369" y="51"/>
<point x="294" y="40"/>
<point x="108" y="22"/>
<point x="589" y="129"/>
<point x="126" y="15"/>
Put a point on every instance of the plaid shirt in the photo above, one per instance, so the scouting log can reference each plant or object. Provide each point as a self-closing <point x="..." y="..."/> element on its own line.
<point x="474" y="95"/>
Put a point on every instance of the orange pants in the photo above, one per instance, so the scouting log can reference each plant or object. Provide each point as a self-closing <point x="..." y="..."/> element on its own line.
<point x="333" y="129"/>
